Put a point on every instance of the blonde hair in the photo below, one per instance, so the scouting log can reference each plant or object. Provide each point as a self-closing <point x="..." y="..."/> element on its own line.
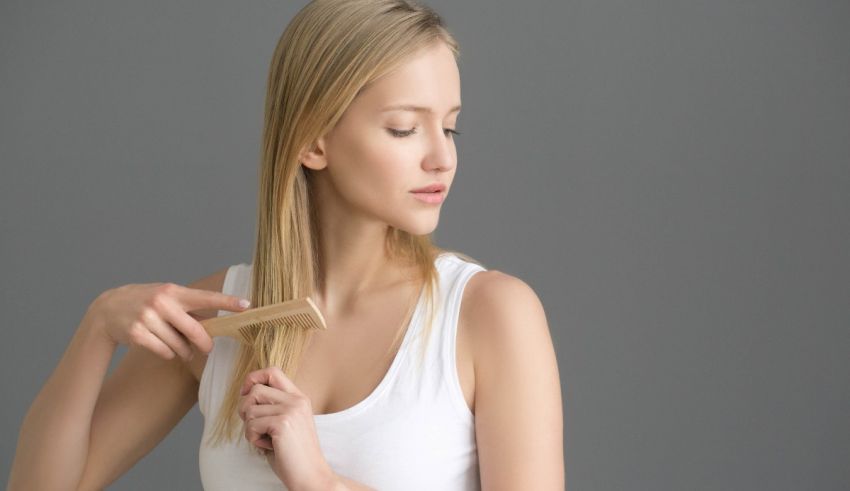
<point x="330" y="51"/>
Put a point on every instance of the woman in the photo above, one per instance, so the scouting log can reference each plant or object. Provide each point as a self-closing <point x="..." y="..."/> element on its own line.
<point x="339" y="220"/>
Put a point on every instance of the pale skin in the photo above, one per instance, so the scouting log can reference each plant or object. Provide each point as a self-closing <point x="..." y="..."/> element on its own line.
<point x="505" y="357"/>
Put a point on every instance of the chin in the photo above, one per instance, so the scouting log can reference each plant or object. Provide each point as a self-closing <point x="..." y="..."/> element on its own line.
<point x="419" y="227"/>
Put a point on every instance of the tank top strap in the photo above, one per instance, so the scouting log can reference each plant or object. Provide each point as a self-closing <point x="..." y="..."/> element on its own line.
<point x="433" y="380"/>
<point x="455" y="274"/>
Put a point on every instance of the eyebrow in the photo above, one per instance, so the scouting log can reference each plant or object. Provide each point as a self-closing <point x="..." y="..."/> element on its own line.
<point x="411" y="107"/>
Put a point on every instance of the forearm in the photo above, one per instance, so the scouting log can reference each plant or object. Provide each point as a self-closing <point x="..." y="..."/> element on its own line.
<point x="54" y="437"/>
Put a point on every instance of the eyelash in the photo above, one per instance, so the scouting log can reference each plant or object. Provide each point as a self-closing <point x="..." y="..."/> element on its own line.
<point x="402" y="134"/>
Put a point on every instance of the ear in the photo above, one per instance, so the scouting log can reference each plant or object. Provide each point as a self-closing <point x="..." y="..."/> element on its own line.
<point x="314" y="157"/>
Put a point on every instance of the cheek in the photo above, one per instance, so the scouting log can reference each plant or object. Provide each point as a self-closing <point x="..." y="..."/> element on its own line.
<point x="386" y="163"/>
<point x="374" y="171"/>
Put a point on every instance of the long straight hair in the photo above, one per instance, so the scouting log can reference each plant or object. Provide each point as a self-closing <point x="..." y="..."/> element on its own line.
<point x="330" y="51"/>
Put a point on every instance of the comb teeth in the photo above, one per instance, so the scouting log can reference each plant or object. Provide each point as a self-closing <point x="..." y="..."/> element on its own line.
<point x="304" y="321"/>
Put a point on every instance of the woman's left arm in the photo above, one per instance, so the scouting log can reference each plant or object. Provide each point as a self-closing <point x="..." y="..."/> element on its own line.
<point x="518" y="408"/>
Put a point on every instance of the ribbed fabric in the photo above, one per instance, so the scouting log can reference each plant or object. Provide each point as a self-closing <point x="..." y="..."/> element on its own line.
<point x="414" y="431"/>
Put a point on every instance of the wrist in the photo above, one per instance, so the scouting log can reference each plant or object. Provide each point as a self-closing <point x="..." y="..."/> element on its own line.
<point x="93" y="325"/>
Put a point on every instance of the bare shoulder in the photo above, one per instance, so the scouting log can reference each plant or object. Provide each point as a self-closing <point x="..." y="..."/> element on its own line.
<point x="490" y="295"/>
<point x="215" y="283"/>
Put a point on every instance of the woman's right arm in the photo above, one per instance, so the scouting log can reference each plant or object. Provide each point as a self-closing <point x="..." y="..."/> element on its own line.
<point x="82" y="433"/>
<point x="54" y="437"/>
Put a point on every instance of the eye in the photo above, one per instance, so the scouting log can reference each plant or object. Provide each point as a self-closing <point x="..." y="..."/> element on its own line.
<point x="404" y="133"/>
<point x="401" y="133"/>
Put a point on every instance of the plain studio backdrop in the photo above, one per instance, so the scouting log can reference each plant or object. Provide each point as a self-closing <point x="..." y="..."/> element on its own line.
<point x="672" y="178"/>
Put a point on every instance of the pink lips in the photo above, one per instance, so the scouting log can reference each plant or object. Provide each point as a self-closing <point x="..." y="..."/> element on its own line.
<point x="433" y="198"/>
<point x="433" y="193"/>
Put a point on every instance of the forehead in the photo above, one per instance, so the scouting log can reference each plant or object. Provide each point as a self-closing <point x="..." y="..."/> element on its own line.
<point x="429" y="80"/>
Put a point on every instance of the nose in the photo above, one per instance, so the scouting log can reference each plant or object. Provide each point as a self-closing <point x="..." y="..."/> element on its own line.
<point x="441" y="154"/>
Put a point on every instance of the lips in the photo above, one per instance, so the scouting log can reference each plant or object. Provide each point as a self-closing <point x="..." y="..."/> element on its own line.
<point x="431" y="188"/>
<point x="432" y="198"/>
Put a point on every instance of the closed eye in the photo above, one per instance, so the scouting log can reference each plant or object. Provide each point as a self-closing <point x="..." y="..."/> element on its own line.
<point x="404" y="133"/>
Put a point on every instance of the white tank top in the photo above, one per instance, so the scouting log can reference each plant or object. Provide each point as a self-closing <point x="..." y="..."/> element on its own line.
<point x="414" y="431"/>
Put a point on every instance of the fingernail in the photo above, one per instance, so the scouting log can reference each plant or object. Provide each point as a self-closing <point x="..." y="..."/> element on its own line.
<point x="244" y="303"/>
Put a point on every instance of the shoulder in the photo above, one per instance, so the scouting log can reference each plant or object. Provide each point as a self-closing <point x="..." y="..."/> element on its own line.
<point x="491" y="293"/>
<point x="497" y="308"/>
<point x="213" y="281"/>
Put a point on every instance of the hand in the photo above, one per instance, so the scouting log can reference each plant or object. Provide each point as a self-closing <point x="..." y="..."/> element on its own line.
<point x="155" y="316"/>
<point x="279" y="418"/>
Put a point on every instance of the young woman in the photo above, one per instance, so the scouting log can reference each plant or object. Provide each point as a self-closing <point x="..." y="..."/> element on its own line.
<point x="434" y="372"/>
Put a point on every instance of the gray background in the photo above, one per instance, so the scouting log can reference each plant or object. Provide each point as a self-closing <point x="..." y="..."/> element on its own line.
<point x="672" y="178"/>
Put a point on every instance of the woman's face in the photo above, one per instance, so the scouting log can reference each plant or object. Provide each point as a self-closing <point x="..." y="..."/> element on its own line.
<point x="375" y="157"/>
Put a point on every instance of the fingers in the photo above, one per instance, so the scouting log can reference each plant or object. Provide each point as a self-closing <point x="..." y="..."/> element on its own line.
<point x="144" y="337"/>
<point x="262" y="395"/>
<point x="166" y="332"/>
<point x="257" y="432"/>
<point x="266" y="409"/>
<point x="271" y="376"/>
<point x="262" y="423"/>
<point x="196" y="299"/>
<point x="187" y="325"/>
<point x="253" y="411"/>
<point x="250" y="408"/>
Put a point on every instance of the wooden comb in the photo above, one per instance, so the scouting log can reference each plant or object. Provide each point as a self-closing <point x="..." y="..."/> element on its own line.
<point x="300" y="312"/>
